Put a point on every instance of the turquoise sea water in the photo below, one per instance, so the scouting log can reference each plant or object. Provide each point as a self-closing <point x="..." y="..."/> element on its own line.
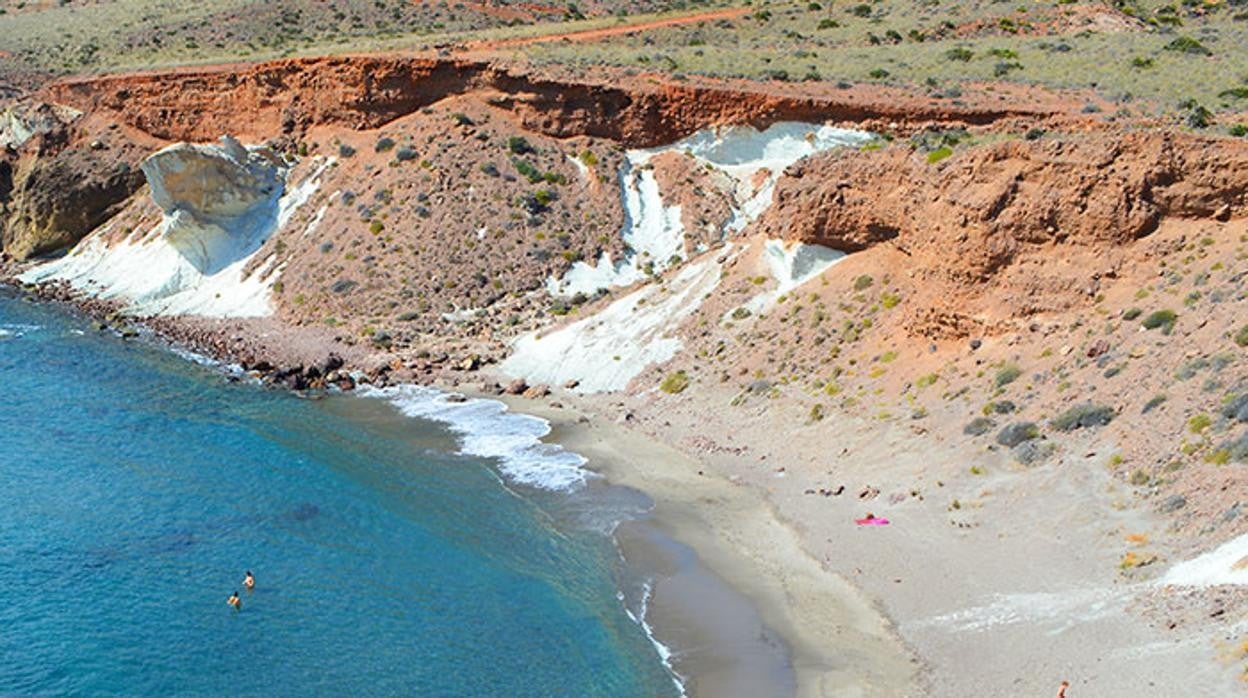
<point x="136" y="488"/>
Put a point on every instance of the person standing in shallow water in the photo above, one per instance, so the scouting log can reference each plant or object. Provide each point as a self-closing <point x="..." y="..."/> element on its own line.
<point x="235" y="601"/>
<point x="249" y="581"/>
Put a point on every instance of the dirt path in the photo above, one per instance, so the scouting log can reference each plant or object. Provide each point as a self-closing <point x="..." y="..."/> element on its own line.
<point x="599" y="34"/>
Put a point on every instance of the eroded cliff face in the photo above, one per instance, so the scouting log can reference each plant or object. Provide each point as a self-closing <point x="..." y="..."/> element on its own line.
<point x="977" y="227"/>
<point x="287" y="97"/>
<point x="62" y="174"/>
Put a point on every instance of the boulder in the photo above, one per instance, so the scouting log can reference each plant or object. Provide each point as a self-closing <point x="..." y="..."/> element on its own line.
<point x="537" y="391"/>
<point x="517" y="387"/>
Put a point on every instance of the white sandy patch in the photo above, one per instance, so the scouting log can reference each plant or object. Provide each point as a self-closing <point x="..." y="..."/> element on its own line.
<point x="653" y="234"/>
<point x="1226" y="564"/>
<point x="791" y="264"/>
<point x="608" y="349"/>
<point x="1058" y="610"/>
<point x="184" y="266"/>
<point x="581" y="167"/>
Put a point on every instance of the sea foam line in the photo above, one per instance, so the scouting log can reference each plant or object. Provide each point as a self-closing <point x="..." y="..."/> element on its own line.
<point x="665" y="652"/>
<point x="487" y="429"/>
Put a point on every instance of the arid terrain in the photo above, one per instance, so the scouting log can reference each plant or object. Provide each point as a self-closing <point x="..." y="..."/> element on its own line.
<point x="976" y="268"/>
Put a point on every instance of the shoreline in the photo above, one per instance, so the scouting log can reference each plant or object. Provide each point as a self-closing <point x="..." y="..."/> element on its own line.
<point x="839" y="642"/>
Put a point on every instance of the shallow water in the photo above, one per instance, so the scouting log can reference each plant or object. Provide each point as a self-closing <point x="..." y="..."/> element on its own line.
<point x="136" y="487"/>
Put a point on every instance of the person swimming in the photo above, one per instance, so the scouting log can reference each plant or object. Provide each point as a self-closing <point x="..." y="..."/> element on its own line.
<point x="235" y="601"/>
<point x="249" y="581"/>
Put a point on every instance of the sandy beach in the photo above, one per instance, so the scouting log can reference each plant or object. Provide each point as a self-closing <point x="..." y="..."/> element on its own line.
<point x="839" y="642"/>
<point x="1004" y="583"/>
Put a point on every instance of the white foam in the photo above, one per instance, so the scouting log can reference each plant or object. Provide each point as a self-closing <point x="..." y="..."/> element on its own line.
<point x="641" y="619"/>
<point x="607" y="350"/>
<point x="486" y="429"/>
<point x="653" y="234"/>
<point x="1226" y="564"/>
<point x="184" y="266"/>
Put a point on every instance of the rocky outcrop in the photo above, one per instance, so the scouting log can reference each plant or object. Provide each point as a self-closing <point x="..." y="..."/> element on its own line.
<point x="965" y="223"/>
<point x="57" y="180"/>
<point x="57" y="200"/>
<point x="213" y="182"/>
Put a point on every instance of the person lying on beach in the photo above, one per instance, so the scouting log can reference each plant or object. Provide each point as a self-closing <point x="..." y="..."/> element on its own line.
<point x="235" y="601"/>
<point x="1061" y="690"/>
<point x="249" y="581"/>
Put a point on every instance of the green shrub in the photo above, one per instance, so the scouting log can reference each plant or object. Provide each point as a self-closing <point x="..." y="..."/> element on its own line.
<point x="383" y="144"/>
<point x="1132" y="314"/>
<point x="1017" y="433"/>
<point x="675" y="383"/>
<point x="878" y="74"/>
<point x="519" y="145"/>
<point x="939" y="154"/>
<point x="1186" y="44"/>
<point x="1153" y="403"/>
<point x="927" y="381"/>
<point x="1163" y="319"/>
<point x="817" y="412"/>
<point x="1006" y="375"/>
<point x="1082" y="416"/>
<point x="375" y="227"/>
<point x="1139" y="62"/>
<point x="959" y="54"/>
<point x="527" y="170"/>
<point x="1241" y="337"/>
<point x="1238" y="130"/>
<point x="1199" y="423"/>
<point x="863" y="282"/>
<point x="978" y="426"/>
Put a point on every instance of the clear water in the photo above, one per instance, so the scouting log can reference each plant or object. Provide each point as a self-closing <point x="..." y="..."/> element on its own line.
<point x="136" y="488"/>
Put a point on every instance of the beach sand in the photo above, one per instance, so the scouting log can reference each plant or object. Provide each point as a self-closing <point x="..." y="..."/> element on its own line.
<point x="991" y="579"/>
<point x="838" y="643"/>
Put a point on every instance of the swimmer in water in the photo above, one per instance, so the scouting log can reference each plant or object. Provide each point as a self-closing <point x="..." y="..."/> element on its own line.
<point x="235" y="601"/>
<point x="249" y="581"/>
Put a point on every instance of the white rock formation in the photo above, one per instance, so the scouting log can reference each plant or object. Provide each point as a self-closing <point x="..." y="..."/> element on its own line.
<point x="220" y="203"/>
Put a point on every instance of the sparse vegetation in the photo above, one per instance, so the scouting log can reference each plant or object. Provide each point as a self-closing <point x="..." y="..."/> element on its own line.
<point x="675" y="383"/>
<point x="1161" y="319"/>
<point x="1083" y="416"/>
<point x="1005" y="375"/>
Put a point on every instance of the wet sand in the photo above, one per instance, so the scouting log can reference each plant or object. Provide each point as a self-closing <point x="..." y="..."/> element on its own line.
<point x="835" y="640"/>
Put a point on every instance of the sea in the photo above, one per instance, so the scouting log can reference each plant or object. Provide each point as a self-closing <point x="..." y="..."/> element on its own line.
<point x="402" y="544"/>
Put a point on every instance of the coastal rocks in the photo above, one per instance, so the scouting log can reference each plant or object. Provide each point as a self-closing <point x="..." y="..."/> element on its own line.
<point x="516" y="387"/>
<point x="537" y="391"/>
